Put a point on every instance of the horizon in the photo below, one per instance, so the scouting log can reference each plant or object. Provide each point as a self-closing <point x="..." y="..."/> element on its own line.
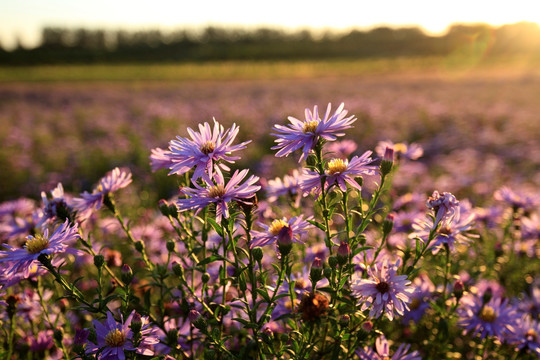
<point x="23" y="21"/>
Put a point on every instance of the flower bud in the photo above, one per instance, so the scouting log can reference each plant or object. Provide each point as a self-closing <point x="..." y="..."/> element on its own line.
<point x="332" y="262"/>
<point x="344" y="320"/>
<point x="136" y="323"/>
<point x="178" y="270"/>
<point x="197" y="320"/>
<point x="163" y="207"/>
<point x="172" y="337"/>
<point x="173" y="211"/>
<point x="126" y="274"/>
<point x="139" y="246"/>
<point x="367" y="326"/>
<point x="387" y="161"/>
<point x="79" y="340"/>
<point x="99" y="260"/>
<point x="257" y="253"/>
<point x="458" y="289"/>
<point x="170" y="246"/>
<point x="315" y="273"/>
<point x="388" y="224"/>
<point x="284" y="240"/>
<point x="205" y="277"/>
<point x="58" y="335"/>
<point x="343" y="253"/>
<point x="327" y="272"/>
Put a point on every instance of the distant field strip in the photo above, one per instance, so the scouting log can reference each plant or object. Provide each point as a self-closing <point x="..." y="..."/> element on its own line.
<point x="244" y="70"/>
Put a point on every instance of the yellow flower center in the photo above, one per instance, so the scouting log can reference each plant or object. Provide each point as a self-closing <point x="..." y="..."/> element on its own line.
<point x="115" y="338"/>
<point x="276" y="226"/>
<point x="488" y="314"/>
<point x="207" y="147"/>
<point x="400" y="148"/>
<point x="415" y="304"/>
<point x="531" y="335"/>
<point x="216" y="191"/>
<point x="336" y="166"/>
<point x="36" y="244"/>
<point x="310" y="126"/>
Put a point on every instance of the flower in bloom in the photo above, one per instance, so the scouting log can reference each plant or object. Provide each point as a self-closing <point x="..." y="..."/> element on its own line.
<point x="305" y="134"/>
<point x="114" y="338"/>
<point x="527" y="335"/>
<point x="411" y="151"/>
<point x="445" y="206"/>
<point x="517" y="199"/>
<point x="21" y="260"/>
<point x="115" y="180"/>
<point x="342" y="149"/>
<point x="290" y="185"/>
<point x="423" y="292"/>
<point x="204" y="151"/>
<point x="220" y="193"/>
<point x="339" y="172"/>
<point x="298" y="226"/>
<point x="492" y="318"/>
<point x="382" y="351"/>
<point x="384" y="291"/>
<point x="55" y="208"/>
<point x="160" y="159"/>
<point x="450" y="233"/>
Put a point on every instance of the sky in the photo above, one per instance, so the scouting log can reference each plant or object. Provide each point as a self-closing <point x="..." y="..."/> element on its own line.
<point x="23" y="20"/>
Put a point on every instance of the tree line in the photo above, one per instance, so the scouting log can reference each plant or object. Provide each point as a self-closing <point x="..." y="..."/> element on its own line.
<point x="83" y="46"/>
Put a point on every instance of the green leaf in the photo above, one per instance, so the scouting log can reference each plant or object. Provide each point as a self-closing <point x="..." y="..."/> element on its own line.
<point x="217" y="227"/>
<point x="317" y="224"/>
<point x="211" y="259"/>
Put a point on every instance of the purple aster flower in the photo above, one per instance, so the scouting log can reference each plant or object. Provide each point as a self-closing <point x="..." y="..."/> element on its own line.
<point x="384" y="291"/>
<point x="339" y="172"/>
<point x="306" y="134"/>
<point x="299" y="227"/>
<point x="115" y="180"/>
<point x="204" y="151"/>
<point x="160" y="159"/>
<point x="411" y="151"/>
<point x="342" y="149"/>
<point x="112" y="338"/>
<point x="494" y="318"/>
<point x="450" y="233"/>
<point x="21" y="260"/>
<point x="220" y="193"/>
<point x="423" y="292"/>
<point x="382" y="351"/>
<point x="56" y="208"/>
<point x="527" y="335"/>
<point x="530" y="227"/>
<point x="445" y="206"/>
<point x="517" y="199"/>
<point x="290" y="185"/>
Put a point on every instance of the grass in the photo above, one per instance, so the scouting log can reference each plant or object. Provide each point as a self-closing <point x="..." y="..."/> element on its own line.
<point x="249" y="70"/>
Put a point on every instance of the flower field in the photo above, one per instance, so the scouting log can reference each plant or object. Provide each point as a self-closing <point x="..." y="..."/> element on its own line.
<point x="371" y="216"/>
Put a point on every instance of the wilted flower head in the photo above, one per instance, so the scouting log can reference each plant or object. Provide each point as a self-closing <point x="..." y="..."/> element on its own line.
<point x="306" y="134"/>
<point x="205" y="151"/>
<point x="21" y="260"/>
<point x="113" y="181"/>
<point x="445" y="206"/>
<point x="384" y="291"/>
<point x="220" y="193"/>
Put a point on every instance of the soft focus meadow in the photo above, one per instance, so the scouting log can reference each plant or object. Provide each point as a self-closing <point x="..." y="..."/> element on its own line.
<point x="251" y="219"/>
